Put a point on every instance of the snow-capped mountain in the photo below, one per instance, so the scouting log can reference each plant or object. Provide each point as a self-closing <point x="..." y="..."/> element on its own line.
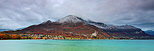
<point x="104" y="26"/>
<point x="46" y="22"/>
<point x="74" y="25"/>
<point x="69" y="19"/>
<point x="75" y="19"/>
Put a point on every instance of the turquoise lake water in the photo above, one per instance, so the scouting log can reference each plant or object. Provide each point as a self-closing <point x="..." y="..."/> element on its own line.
<point x="76" y="45"/>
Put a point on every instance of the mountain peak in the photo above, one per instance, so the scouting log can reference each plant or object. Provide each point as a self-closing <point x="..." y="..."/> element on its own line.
<point x="46" y="22"/>
<point x="71" y="16"/>
<point x="70" y="19"/>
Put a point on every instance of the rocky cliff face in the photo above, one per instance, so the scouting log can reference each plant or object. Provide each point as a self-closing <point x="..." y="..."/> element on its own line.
<point x="72" y="25"/>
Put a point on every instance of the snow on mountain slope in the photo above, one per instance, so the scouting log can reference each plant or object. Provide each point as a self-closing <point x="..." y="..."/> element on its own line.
<point x="69" y="19"/>
<point x="75" y="19"/>
<point x="104" y="26"/>
<point x="46" y="22"/>
<point x="114" y="27"/>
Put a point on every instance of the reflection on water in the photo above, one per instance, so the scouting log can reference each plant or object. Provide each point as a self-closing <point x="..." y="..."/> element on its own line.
<point x="76" y="45"/>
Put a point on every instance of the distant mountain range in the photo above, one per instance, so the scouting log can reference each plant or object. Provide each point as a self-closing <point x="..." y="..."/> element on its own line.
<point x="150" y="32"/>
<point x="1" y="30"/>
<point x="4" y="30"/>
<point x="71" y="25"/>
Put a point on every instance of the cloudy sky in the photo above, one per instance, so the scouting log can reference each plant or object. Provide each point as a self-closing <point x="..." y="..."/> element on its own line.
<point x="16" y="14"/>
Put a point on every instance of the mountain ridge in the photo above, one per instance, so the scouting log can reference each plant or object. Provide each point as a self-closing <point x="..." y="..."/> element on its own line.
<point x="72" y="26"/>
<point x="69" y="19"/>
<point x="76" y="19"/>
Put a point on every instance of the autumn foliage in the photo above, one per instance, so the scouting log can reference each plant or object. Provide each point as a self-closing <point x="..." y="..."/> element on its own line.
<point x="8" y="36"/>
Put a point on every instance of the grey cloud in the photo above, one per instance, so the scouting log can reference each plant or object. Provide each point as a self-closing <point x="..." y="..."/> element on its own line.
<point x="23" y="13"/>
<point x="147" y="5"/>
<point x="145" y="26"/>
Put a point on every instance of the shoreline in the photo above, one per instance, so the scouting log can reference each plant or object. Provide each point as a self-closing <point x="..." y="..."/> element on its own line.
<point x="76" y="39"/>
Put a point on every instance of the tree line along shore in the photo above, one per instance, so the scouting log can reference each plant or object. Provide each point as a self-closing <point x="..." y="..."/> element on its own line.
<point x="46" y="36"/>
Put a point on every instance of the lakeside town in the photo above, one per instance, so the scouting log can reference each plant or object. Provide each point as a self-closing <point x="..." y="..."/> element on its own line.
<point x="66" y="36"/>
<point x="47" y="36"/>
<point x="74" y="27"/>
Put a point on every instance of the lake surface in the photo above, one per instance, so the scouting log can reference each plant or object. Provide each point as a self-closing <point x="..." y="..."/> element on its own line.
<point x="76" y="45"/>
